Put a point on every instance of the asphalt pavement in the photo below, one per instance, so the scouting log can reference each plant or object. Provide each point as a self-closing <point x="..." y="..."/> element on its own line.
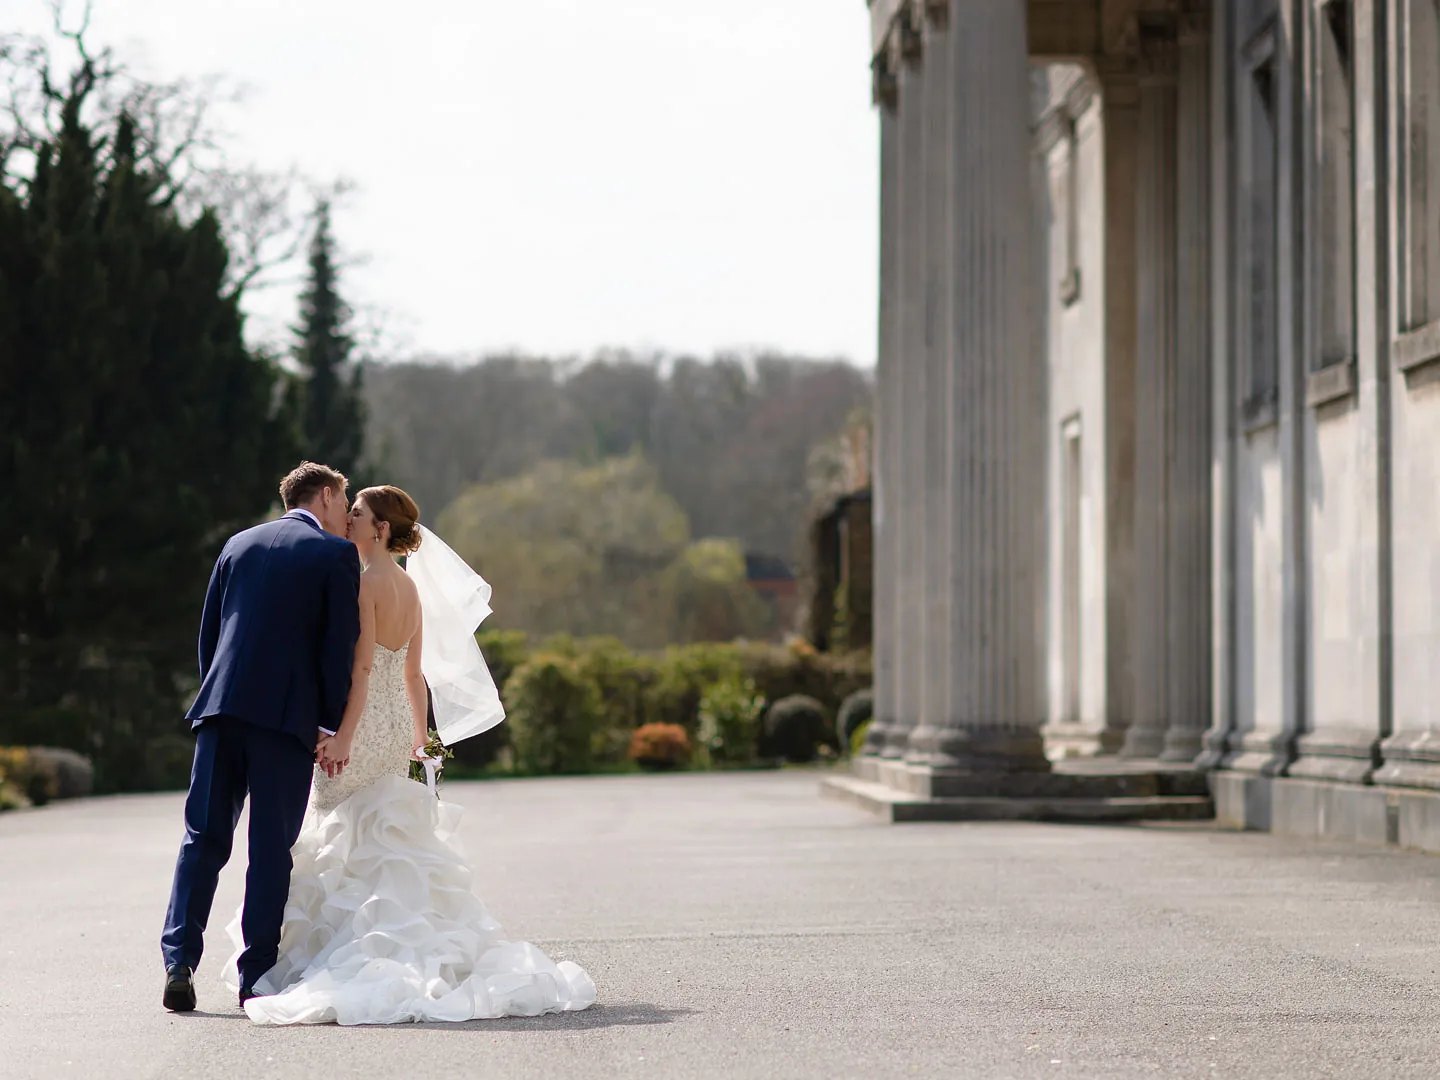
<point x="740" y="926"/>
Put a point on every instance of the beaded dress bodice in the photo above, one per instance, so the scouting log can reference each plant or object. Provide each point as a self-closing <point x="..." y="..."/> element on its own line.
<point x="384" y="738"/>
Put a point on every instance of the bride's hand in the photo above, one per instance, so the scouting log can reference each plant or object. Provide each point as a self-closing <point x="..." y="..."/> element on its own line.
<point x="332" y="752"/>
<point x="418" y="750"/>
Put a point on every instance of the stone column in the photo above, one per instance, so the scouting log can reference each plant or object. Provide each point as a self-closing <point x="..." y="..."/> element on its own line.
<point x="888" y="424"/>
<point x="932" y="419"/>
<point x="1224" y="394"/>
<point x="1155" y="360"/>
<point x="1189" y="599"/>
<point x="1120" y="119"/>
<point x="997" y="424"/>
<point x="910" y="387"/>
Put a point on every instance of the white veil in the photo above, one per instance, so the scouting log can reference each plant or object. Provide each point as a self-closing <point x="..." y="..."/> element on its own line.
<point x="454" y="601"/>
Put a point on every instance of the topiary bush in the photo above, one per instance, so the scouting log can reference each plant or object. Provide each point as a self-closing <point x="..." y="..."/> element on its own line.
<point x="34" y="775"/>
<point x="795" y="729"/>
<point x="730" y="712"/>
<point x="658" y="747"/>
<point x="623" y="678"/>
<point x="682" y="675"/>
<point x="780" y="671"/>
<point x="555" y="715"/>
<point x="14" y="778"/>
<point x="73" y="775"/>
<point x="855" y="711"/>
<point x="504" y="651"/>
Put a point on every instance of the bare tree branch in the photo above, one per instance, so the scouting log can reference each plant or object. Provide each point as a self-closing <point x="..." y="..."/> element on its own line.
<point x="265" y="216"/>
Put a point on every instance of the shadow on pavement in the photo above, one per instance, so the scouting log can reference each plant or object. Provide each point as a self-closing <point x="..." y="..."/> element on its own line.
<point x="633" y="1014"/>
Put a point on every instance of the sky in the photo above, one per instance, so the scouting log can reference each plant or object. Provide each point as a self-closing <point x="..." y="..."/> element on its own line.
<point x="557" y="176"/>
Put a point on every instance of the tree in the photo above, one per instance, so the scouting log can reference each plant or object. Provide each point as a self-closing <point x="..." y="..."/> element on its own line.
<point x="601" y="550"/>
<point x="334" y="408"/>
<point x="175" y="136"/>
<point x="573" y="549"/>
<point x="709" y="596"/>
<point x="138" y="431"/>
<point x="731" y="439"/>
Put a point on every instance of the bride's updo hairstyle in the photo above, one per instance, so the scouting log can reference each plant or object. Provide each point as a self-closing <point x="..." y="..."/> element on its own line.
<point x="390" y="504"/>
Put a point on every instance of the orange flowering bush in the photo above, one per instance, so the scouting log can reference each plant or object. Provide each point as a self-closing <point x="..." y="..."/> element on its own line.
<point x="660" y="746"/>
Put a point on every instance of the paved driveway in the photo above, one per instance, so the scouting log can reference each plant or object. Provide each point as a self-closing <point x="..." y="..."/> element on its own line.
<point x="740" y="926"/>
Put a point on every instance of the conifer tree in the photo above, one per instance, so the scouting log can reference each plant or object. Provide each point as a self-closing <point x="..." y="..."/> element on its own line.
<point x="138" y="433"/>
<point x="334" y="411"/>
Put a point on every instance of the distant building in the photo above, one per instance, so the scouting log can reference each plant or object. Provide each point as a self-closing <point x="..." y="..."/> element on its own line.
<point x="775" y="583"/>
<point x="841" y="586"/>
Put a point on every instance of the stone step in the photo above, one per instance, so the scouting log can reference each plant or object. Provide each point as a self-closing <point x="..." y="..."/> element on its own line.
<point x="1076" y="778"/>
<point x="892" y="805"/>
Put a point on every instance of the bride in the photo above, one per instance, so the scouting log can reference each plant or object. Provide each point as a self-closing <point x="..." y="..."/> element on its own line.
<point x="381" y="925"/>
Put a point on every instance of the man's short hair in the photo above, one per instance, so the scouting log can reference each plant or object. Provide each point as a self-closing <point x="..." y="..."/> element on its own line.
<point x="304" y="482"/>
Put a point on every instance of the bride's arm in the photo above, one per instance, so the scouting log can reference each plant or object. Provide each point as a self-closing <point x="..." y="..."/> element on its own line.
<point x="416" y="690"/>
<point x="338" y="748"/>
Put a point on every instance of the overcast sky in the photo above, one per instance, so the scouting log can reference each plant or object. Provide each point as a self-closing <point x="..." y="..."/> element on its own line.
<point x="561" y="175"/>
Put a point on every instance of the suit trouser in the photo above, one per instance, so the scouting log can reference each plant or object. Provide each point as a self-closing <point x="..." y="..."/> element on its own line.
<point x="233" y="758"/>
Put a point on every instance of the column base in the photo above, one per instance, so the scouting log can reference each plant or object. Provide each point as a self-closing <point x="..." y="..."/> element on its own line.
<point x="1410" y="759"/>
<point x="1215" y="750"/>
<point x="1087" y="790"/>
<point x="1182" y="746"/>
<point x="1261" y="753"/>
<point x="978" y="752"/>
<point x="1143" y="741"/>
<point x="1341" y="756"/>
<point x="1067" y="740"/>
<point x="878" y="737"/>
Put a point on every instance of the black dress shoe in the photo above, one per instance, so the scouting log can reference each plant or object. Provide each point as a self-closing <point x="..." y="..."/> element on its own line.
<point x="179" y="989"/>
<point x="248" y="992"/>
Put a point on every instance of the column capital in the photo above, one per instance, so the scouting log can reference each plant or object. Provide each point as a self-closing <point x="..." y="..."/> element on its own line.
<point x="882" y="22"/>
<point x="1157" y="58"/>
<point x="1119" y="82"/>
<point x="884" y="86"/>
<point x="1192" y="25"/>
<point x="910" y="32"/>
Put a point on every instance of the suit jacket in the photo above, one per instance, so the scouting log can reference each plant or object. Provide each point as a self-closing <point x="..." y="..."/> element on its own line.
<point x="278" y="633"/>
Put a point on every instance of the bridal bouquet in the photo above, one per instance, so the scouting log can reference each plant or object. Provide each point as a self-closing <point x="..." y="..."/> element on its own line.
<point x="429" y="769"/>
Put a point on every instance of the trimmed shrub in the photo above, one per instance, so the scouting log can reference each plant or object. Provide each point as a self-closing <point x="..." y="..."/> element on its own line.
<point x="855" y="710"/>
<point x="555" y="715"/>
<point x="795" y="729"/>
<point x="622" y="678"/>
<point x="34" y="775"/>
<point x="73" y="774"/>
<point x="730" y="713"/>
<point x="504" y="651"/>
<point x="782" y="671"/>
<point x="709" y="689"/>
<point x="14" y="777"/>
<point x="659" y="746"/>
<point x="682" y="676"/>
<point x="857" y="739"/>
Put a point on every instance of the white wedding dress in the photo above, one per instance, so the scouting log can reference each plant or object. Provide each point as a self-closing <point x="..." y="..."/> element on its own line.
<point x="381" y="925"/>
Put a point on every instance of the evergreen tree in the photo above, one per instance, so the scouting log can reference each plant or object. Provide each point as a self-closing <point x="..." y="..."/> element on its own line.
<point x="334" y="411"/>
<point x="136" y="433"/>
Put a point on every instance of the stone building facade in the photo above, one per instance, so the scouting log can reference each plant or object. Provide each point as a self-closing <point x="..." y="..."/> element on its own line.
<point x="1158" y="447"/>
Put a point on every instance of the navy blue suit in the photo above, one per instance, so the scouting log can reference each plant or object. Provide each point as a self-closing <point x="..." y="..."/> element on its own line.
<point x="277" y="646"/>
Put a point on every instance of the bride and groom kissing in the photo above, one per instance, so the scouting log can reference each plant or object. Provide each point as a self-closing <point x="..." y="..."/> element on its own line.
<point x="319" y="661"/>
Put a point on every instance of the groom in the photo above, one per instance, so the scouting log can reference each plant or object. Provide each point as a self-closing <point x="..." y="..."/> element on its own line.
<point x="277" y="644"/>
